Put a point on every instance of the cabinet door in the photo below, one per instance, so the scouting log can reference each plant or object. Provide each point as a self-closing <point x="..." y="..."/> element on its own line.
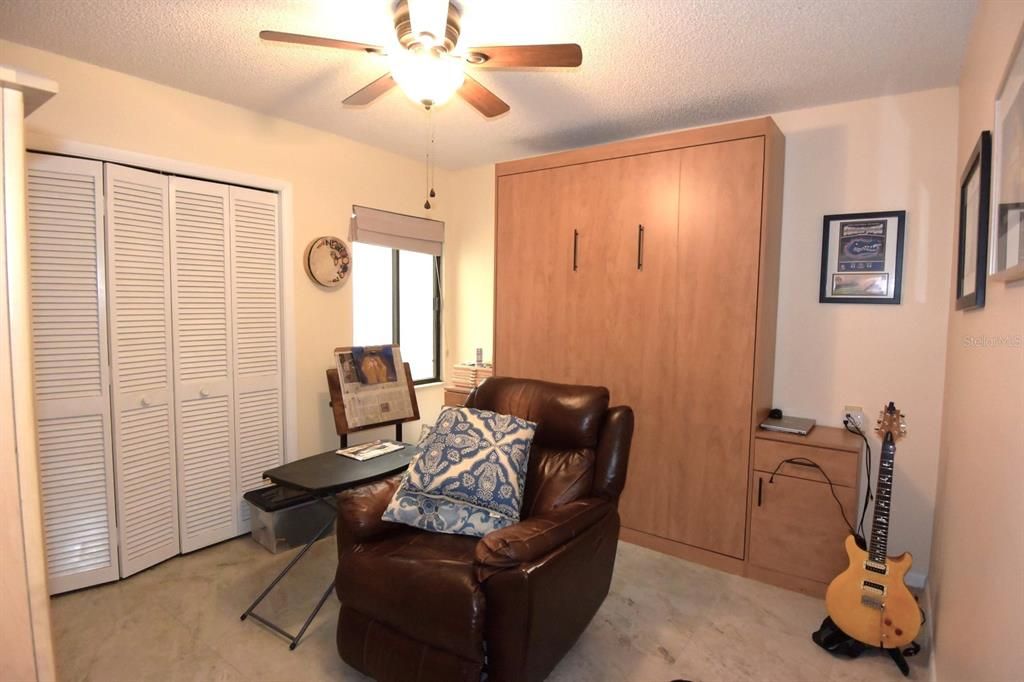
<point x="139" y="292"/>
<point x="70" y="371"/>
<point x="709" y="415"/>
<point x="534" y="274"/>
<point x="626" y="276"/>
<point x="203" y="363"/>
<point x="256" y="309"/>
<point x="796" y="527"/>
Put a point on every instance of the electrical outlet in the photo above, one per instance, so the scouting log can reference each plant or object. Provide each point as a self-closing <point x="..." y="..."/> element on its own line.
<point x="855" y="413"/>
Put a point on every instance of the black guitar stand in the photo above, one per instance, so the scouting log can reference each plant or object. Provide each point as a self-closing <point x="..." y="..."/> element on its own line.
<point x="900" y="660"/>
<point x="833" y="640"/>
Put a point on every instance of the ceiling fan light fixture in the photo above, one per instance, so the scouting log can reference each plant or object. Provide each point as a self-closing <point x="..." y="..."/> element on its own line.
<point x="426" y="77"/>
<point x="433" y="24"/>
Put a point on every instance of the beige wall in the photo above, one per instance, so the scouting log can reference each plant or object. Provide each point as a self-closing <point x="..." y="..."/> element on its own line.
<point x="328" y="175"/>
<point x="977" y="578"/>
<point x="878" y="154"/>
<point x="471" y="266"/>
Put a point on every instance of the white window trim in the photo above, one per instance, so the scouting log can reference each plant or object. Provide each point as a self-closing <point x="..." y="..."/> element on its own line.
<point x="59" y="145"/>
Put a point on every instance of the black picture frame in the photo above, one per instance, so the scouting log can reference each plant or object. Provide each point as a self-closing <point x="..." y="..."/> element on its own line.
<point x="900" y="217"/>
<point x="979" y="164"/>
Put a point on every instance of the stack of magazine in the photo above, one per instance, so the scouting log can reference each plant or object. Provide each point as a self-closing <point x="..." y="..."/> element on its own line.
<point x="469" y="376"/>
<point x="365" y="451"/>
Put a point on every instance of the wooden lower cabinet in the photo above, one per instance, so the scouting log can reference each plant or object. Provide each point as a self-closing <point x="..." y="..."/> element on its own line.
<point x="455" y="396"/>
<point x="796" y="527"/>
<point x="650" y="267"/>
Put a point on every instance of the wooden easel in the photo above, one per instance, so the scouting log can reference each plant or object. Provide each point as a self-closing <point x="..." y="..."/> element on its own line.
<point x="338" y="408"/>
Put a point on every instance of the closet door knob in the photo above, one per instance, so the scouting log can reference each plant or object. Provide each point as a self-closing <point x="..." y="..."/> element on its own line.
<point x="203" y="393"/>
<point x="144" y="402"/>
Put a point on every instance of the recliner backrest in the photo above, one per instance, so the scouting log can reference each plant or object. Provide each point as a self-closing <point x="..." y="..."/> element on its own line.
<point x="567" y="448"/>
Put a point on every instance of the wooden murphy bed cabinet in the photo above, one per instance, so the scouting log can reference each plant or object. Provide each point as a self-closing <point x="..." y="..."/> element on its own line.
<point x="650" y="266"/>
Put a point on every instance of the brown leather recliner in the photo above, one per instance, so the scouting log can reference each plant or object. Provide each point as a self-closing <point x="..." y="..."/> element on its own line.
<point x="418" y="606"/>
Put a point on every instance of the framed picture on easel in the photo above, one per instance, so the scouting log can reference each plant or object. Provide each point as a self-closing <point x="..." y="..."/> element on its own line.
<point x="371" y="387"/>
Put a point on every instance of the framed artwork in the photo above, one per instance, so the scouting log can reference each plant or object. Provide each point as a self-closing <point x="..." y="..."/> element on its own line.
<point x="862" y="257"/>
<point x="1006" y="241"/>
<point x="972" y="248"/>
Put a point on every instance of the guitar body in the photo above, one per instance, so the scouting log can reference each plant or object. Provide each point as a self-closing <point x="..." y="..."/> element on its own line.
<point x="888" y="617"/>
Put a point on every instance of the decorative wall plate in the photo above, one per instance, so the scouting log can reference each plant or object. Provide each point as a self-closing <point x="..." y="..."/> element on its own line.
<point x="327" y="261"/>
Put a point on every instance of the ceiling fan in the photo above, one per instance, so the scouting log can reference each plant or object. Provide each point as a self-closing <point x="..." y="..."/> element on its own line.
<point x="429" y="66"/>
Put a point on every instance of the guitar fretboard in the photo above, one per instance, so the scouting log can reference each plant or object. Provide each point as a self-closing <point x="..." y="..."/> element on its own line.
<point x="883" y="500"/>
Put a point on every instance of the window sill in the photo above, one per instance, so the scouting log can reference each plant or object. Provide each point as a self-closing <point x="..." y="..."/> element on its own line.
<point x="432" y="384"/>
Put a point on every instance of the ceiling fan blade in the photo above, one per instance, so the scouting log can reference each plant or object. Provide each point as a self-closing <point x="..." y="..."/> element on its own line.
<point x="299" y="39"/>
<point x="482" y="99"/>
<point x="515" y="56"/>
<point x="371" y="91"/>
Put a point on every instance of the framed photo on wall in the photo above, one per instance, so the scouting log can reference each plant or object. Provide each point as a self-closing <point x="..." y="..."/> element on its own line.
<point x="972" y="248"/>
<point x="1007" y="233"/>
<point x="862" y="257"/>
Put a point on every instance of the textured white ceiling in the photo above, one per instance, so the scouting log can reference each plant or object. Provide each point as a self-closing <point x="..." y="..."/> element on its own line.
<point x="648" y="65"/>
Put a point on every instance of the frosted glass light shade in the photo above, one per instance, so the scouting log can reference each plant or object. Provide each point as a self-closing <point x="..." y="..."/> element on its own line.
<point x="426" y="78"/>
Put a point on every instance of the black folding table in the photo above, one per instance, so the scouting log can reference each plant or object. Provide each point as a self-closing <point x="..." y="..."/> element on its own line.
<point x="324" y="476"/>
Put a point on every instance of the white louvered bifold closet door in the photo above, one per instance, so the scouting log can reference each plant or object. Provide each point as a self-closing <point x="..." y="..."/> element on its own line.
<point x="139" y="295"/>
<point x="203" y="367"/>
<point x="69" y="339"/>
<point x="255" y="276"/>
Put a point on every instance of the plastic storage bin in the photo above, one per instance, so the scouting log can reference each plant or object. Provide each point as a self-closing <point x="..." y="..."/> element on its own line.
<point x="283" y="518"/>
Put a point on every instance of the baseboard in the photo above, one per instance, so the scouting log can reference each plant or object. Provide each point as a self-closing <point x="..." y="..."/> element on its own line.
<point x="683" y="551"/>
<point x="926" y="604"/>
<point x="917" y="580"/>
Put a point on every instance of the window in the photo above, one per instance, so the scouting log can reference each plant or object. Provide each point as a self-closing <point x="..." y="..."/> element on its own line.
<point x="396" y="299"/>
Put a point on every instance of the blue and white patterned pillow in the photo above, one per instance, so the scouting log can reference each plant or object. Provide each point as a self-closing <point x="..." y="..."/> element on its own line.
<point x="468" y="475"/>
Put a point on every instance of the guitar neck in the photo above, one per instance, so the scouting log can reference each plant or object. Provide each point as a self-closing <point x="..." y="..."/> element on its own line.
<point x="883" y="502"/>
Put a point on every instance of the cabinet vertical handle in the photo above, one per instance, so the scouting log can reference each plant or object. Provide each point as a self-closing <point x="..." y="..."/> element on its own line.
<point x="640" y="248"/>
<point x="760" y="484"/>
<point x="575" y="250"/>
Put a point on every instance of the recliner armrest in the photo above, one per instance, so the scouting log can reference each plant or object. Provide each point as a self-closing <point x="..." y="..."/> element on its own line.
<point x="360" y="511"/>
<point x="537" y="536"/>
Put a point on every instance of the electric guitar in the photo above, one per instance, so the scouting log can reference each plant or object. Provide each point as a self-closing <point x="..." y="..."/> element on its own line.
<point x="869" y="601"/>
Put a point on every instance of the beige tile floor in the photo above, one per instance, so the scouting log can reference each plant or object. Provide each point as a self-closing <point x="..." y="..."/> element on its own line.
<point x="664" y="619"/>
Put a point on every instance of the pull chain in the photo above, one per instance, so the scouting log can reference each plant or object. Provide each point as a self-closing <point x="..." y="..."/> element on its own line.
<point x="430" y="168"/>
<point x="433" y="157"/>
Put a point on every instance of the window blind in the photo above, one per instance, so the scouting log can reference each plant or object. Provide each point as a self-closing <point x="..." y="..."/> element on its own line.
<point x="396" y="231"/>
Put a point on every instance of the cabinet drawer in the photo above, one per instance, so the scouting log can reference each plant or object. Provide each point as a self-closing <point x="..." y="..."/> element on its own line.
<point x="796" y="527"/>
<point x="841" y="466"/>
<point x="455" y="398"/>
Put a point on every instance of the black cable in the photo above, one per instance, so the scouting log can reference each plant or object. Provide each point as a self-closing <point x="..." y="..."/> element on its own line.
<point x="868" y="495"/>
<point x="803" y="461"/>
